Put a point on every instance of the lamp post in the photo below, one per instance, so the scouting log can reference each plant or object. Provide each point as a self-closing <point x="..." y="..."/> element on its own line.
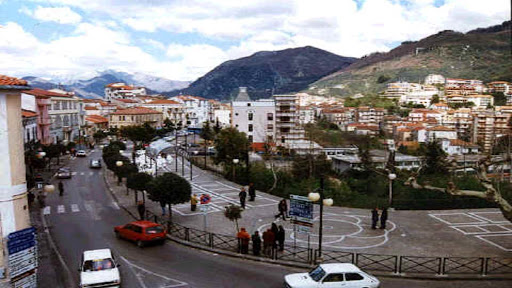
<point x="119" y="164"/>
<point x="235" y="161"/>
<point x="49" y="188"/>
<point x="391" y="177"/>
<point x="313" y="196"/>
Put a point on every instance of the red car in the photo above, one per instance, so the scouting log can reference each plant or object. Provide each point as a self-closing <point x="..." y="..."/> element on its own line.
<point x="141" y="232"/>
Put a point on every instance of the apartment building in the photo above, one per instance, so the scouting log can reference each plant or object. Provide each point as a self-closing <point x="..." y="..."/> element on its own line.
<point x="422" y="115"/>
<point x="257" y="119"/>
<point x="433" y="79"/>
<point x="135" y="116"/>
<point x="461" y="120"/>
<point x="120" y="90"/>
<point x="340" y="116"/>
<point x="288" y="128"/>
<point x="420" y="97"/>
<point x="197" y="109"/>
<point x="170" y="109"/>
<point x="463" y="87"/>
<point x="488" y="126"/>
<point x="499" y="86"/>
<point x="370" y="115"/>
<point x="35" y="100"/>
<point x="480" y="101"/>
<point x="440" y="132"/>
<point x="29" y="123"/>
<point x="396" y="90"/>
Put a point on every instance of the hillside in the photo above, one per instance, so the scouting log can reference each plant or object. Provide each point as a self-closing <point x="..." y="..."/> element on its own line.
<point x="483" y="53"/>
<point x="265" y="72"/>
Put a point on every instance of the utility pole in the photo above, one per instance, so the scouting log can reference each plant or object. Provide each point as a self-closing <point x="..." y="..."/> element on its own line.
<point x="176" y="149"/>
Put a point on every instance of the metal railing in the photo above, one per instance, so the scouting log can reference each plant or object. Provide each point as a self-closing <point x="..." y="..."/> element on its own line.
<point x="393" y="264"/>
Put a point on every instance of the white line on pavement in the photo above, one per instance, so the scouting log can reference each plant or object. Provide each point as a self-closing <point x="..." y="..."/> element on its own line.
<point x="115" y="206"/>
<point x="139" y="278"/>
<point x="61" y="209"/>
<point x="88" y="207"/>
<point x="74" y="208"/>
<point x="91" y="173"/>
<point x="82" y="173"/>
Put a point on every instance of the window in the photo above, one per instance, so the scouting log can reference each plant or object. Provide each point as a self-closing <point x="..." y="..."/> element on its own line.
<point x="249" y="138"/>
<point x="64" y="105"/>
<point x="317" y="274"/>
<point x="136" y="229"/>
<point x="353" y="277"/>
<point x="236" y="114"/>
<point x="334" y="278"/>
<point x="250" y="128"/>
<point x="56" y="105"/>
<point x="270" y="127"/>
<point x="250" y="116"/>
<point x="270" y="116"/>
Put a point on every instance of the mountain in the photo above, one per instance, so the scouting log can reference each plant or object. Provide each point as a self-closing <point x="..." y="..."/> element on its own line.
<point x="482" y="53"/>
<point x="267" y="72"/>
<point x="94" y="87"/>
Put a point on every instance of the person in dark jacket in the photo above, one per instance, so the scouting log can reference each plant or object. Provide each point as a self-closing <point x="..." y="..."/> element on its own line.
<point x="283" y="209"/>
<point x="375" y="217"/>
<point x="243" y="196"/>
<point x="252" y="192"/>
<point x="141" y="209"/>
<point x="256" y="243"/>
<point x="383" y="218"/>
<point x="280" y="237"/>
<point x="275" y="230"/>
<point x="61" y="188"/>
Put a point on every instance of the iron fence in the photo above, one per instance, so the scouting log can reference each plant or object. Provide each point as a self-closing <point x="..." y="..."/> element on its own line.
<point x="498" y="266"/>
<point x="385" y="263"/>
<point x="409" y="264"/>
<point x="463" y="265"/>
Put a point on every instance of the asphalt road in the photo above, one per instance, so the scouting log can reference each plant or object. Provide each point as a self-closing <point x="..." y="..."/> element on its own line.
<point x="85" y="221"/>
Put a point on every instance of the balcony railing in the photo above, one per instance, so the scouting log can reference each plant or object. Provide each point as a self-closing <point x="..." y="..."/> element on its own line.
<point x="44" y="122"/>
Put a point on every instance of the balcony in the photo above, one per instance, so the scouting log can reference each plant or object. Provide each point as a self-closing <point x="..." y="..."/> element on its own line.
<point x="44" y="122"/>
<point x="288" y="113"/>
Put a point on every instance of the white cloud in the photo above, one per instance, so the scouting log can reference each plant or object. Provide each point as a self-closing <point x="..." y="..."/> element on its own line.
<point x="61" y="15"/>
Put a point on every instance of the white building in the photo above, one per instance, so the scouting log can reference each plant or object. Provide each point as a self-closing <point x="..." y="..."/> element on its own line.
<point x="122" y="91"/>
<point x="255" y="118"/>
<point x="197" y="109"/>
<point x="458" y="147"/>
<point x="171" y="109"/>
<point x="441" y="132"/>
<point x="222" y="115"/>
<point x="432" y="79"/>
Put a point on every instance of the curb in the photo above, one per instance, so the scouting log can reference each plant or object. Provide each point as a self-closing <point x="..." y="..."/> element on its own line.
<point x="308" y="266"/>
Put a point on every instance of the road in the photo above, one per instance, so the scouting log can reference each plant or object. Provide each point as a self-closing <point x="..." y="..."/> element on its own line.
<point x="84" y="218"/>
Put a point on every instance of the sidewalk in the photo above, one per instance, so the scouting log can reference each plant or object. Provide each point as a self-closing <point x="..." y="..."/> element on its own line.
<point x="447" y="233"/>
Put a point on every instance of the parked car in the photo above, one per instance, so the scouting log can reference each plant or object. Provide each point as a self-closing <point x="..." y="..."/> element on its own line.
<point x="98" y="268"/>
<point x="95" y="163"/>
<point x="332" y="275"/>
<point x="81" y="153"/>
<point x="141" y="232"/>
<point x="64" y="173"/>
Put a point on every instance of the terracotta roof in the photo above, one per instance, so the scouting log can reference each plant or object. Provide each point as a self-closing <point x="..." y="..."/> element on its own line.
<point x="96" y="119"/>
<point x="441" y="128"/>
<point x="41" y="92"/>
<point x="28" y="113"/>
<point x="408" y="143"/>
<point x="12" y="81"/>
<point x="135" y="111"/>
<point x="163" y="101"/>
<point x="90" y="108"/>
<point x="127" y="100"/>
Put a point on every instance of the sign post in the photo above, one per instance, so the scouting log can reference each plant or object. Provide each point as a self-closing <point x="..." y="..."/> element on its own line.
<point x="22" y="247"/>
<point x="205" y="200"/>
<point x="301" y="212"/>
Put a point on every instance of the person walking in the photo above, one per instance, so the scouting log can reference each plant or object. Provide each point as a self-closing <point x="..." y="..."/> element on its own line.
<point x="162" y="205"/>
<point x="283" y="209"/>
<point x="193" y="202"/>
<point x="256" y="243"/>
<point x="31" y="197"/>
<point x="141" y="209"/>
<point x="274" y="230"/>
<point x="252" y="192"/>
<point x="243" y="196"/>
<point x="375" y="217"/>
<point x="383" y="218"/>
<point x="61" y="188"/>
<point x="268" y="242"/>
<point x="243" y="240"/>
<point x="280" y="237"/>
<point x="41" y="196"/>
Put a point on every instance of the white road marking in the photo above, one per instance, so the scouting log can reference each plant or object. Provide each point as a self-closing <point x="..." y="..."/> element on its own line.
<point x="439" y="217"/>
<point x="73" y="173"/>
<point x="61" y="209"/>
<point x="139" y="278"/>
<point x="115" y="206"/>
<point x="482" y="237"/>
<point x="47" y="210"/>
<point x="88" y="207"/>
<point x="91" y="173"/>
<point x="82" y="173"/>
<point x="74" y="208"/>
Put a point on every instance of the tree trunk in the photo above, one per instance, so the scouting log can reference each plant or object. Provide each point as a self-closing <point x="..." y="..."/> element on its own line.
<point x="170" y="212"/>
<point x="236" y="226"/>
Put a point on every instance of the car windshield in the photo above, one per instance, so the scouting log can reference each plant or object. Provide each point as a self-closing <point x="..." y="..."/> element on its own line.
<point x="98" y="264"/>
<point x="317" y="274"/>
<point x="154" y="230"/>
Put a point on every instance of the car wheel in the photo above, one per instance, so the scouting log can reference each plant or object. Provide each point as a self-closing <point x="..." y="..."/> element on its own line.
<point x="140" y="244"/>
<point x="162" y="242"/>
<point x="118" y="236"/>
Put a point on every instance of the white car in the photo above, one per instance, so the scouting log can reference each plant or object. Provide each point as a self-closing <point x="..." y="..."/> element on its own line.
<point x="99" y="269"/>
<point x="81" y="153"/>
<point x="344" y="275"/>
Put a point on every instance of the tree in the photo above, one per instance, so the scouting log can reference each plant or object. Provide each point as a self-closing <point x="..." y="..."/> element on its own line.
<point x="233" y="213"/>
<point x="138" y="182"/>
<point x="125" y="170"/>
<point x="54" y="151"/>
<point x="170" y="189"/>
<point x="435" y="159"/>
<point x="435" y="99"/>
<point x="217" y="127"/>
<point x="491" y="193"/>
<point x="207" y="133"/>
<point x="230" y="144"/>
<point x="99" y="135"/>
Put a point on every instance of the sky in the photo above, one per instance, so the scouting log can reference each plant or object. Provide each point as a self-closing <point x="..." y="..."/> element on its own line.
<point x="184" y="39"/>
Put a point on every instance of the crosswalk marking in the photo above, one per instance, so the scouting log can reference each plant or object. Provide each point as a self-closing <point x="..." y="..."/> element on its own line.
<point x="88" y="207"/>
<point x="73" y="173"/>
<point x="91" y="173"/>
<point x="82" y="173"/>
<point x="74" y="208"/>
<point x="61" y="209"/>
<point x="47" y="210"/>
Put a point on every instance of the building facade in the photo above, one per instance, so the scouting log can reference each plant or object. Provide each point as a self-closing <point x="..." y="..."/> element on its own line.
<point x="122" y="91"/>
<point x="135" y="116"/>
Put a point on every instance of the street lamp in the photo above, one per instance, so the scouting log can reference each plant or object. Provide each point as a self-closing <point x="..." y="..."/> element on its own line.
<point x="314" y="196"/>
<point x="235" y="161"/>
<point x="119" y="163"/>
<point x="391" y="177"/>
<point x="49" y="188"/>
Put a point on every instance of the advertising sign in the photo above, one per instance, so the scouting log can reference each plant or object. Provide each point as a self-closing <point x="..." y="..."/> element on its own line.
<point x="301" y="210"/>
<point x="22" y="247"/>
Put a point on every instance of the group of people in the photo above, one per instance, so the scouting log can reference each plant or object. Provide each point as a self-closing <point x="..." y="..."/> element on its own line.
<point x="243" y="195"/>
<point x="383" y="218"/>
<point x="273" y="238"/>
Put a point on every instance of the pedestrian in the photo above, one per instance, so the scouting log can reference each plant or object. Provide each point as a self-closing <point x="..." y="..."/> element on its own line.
<point x="274" y="230"/>
<point x="268" y="242"/>
<point x="282" y="206"/>
<point x="375" y="217"/>
<point x="383" y="218"/>
<point x="252" y="192"/>
<point x="280" y="237"/>
<point x="243" y="240"/>
<point x="142" y="209"/>
<point x="242" y="196"/>
<point x="193" y="202"/>
<point x="41" y="196"/>
<point x="31" y="197"/>
<point x="256" y="243"/>
<point x="162" y="204"/>
<point x="61" y="188"/>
